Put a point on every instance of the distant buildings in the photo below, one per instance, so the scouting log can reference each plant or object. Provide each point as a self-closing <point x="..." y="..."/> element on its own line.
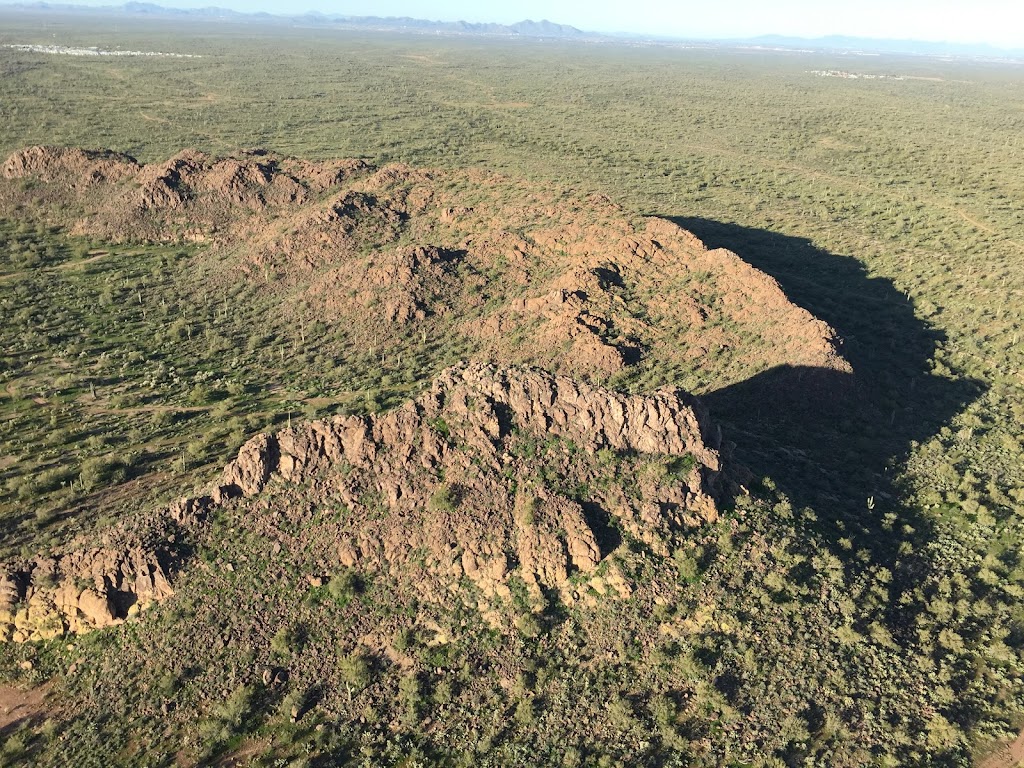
<point x="93" y="51"/>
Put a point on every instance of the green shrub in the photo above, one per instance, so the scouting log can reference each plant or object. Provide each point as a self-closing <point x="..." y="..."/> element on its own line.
<point x="100" y="470"/>
<point x="162" y="418"/>
<point x="410" y="698"/>
<point x="443" y="499"/>
<point x="354" y="669"/>
<point x="344" y="586"/>
<point x="283" y="642"/>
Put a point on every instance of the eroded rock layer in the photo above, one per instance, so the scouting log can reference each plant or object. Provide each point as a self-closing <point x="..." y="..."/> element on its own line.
<point x="80" y="590"/>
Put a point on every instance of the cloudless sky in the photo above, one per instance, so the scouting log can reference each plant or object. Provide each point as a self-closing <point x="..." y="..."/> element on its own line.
<point x="998" y="22"/>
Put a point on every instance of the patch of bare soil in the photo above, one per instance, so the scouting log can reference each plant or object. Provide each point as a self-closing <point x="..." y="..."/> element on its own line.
<point x="1007" y="756"/>
<point x="245" y="754"/>
<point x="17" y="705"/>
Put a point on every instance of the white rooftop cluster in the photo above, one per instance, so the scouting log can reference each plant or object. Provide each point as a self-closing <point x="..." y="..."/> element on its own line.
<point x="857" y="75"/>
<point x="94" y="51"/>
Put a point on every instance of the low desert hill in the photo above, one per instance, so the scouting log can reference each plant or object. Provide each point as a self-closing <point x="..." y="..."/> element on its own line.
<point x="572" y="288"/>
<point x="548" y="512"/>
<point x="525" y="276"/>
<point x="492" y="471"/>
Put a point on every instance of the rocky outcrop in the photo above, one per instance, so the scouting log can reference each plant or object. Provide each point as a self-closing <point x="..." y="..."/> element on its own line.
<point x="668" y="422"/>
<point x="70" y="165"/>
<point x="79" y="591"/>
<point x="455" y="484"/>
<point x="252" y="180"/>
<point x="489" y="403"/>
<point x="431" y="485"/>
<point x="565" y="315"/>
<point x="90" y="585"/>
<point x="191" y="196"/>
<point x="256" y="460"/>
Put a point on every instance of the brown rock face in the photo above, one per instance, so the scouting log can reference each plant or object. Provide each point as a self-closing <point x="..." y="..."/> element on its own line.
<point x="593" y="417"/>
<point x="490" y="403"/>
<point x="69" y="164"/>
<point x="251" y="470"/>
<point x="251" y="181"/>
<point x="78" y="591"/>
<point x="441" y="470"/>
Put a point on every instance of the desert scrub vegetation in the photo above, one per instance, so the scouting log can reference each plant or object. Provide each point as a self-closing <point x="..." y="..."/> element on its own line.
<point x="796" y="656"/>
<point x="860" y="606"/>
<point x="110" y="402"/>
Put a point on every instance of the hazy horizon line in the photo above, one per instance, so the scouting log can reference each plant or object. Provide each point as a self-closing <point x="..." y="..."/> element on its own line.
<point x="101" y="5"/>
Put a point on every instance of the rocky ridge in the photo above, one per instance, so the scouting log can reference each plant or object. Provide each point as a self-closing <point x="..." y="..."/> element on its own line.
<point x="449" y="486"/>
<point x="495" y="476"/>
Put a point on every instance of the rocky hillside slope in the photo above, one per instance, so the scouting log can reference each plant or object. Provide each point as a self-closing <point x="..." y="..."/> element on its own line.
<point x="481" y="478"/>
<point x="524" y="276"/>
<point x="495" y="473"/>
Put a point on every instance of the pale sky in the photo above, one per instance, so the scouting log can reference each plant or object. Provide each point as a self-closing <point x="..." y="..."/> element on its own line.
<point x="997" y="22"/>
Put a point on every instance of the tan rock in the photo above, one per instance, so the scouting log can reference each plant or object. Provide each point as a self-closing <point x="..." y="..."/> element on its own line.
<point x="348" y="555"/>
<point x="97" y="608"/>
<point x="250" y="471"/>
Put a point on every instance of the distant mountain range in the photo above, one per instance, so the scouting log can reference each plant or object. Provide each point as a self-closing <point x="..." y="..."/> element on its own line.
<point x="529" y="29"/>
<point x="526" y="28"/>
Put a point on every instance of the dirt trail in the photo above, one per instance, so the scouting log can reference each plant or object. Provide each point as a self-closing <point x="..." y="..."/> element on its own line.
<point x="974" y="222"/>
<point x="1007" y="756"/>
<point x="94" y="257"/>
<point x="82" y="262"/>
<point x="103" y="411"/>
<point x="17" y="704"/>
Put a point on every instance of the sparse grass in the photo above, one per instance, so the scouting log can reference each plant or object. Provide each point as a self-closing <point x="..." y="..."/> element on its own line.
<point x="158" y="384"/>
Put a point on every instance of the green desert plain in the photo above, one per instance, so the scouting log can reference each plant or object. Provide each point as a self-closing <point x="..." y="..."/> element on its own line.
<point x="835" y="579"/>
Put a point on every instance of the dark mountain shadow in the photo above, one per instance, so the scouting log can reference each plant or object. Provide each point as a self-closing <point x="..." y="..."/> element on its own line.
<point x="831" y="440"/>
